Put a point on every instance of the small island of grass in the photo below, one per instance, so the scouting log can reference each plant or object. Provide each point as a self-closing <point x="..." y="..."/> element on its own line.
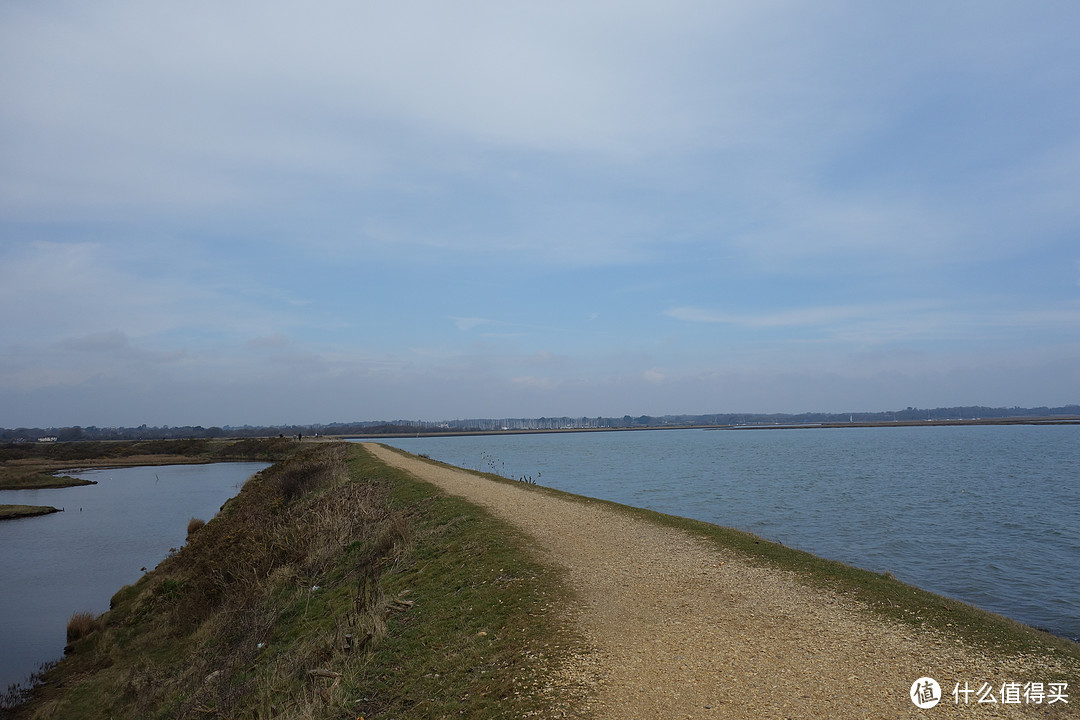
<point x="38" y="481"/>
<point x="10" y="512"/>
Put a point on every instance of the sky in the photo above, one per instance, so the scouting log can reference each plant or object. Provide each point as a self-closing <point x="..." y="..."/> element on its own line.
<point x="229" y="213"/>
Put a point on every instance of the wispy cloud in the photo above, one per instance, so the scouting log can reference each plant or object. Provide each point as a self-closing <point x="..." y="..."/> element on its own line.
<point x="533" y="383"/>
<point x="468" y="323"/>
<point x="939" y="322"/>
<point x="796" y="317"/>
<point x="653" y="376"/>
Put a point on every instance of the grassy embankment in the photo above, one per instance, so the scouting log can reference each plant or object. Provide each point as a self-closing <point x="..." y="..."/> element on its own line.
<point x="33" y="466"/>
<point x="330" y="587"/>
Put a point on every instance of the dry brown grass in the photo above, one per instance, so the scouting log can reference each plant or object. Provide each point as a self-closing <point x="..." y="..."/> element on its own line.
<point x="35" y="465"/>
<point x="193" y="526"/>
<point x="276" y="551"/>
<point x="82" y="624"/>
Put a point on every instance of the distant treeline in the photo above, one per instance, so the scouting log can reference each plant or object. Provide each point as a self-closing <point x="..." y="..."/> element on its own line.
<point x="380" y="427"/>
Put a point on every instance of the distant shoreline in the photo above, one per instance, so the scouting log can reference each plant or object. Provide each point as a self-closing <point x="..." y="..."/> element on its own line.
<point x="1046" y="420"/>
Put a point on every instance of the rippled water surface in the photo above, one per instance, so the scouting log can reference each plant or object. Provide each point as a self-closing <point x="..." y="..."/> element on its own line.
<point x="988" y="515"/>
<point x="54" y="565"/>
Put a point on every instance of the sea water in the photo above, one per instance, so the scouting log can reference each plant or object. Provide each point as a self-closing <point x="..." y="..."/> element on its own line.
<point x="74" y="561"/>
<point x="989" y="515"/>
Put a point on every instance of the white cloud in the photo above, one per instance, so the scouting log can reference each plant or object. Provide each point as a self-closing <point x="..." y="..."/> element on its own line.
<point x="98" y="342"/>
<point x="274" y="341"/>
<point x="797" y="317"/>
<point x="535" y="383"/>
<point x="85" y="288"/>
<point x="917" y="322"/>
<point x="468" y="323"/>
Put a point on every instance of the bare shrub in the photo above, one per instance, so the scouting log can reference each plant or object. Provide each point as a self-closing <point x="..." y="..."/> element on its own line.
<point x="82" y="624"/>
<point x="394" y="532"/>
<point x="193" y="526"/>
<point x="300" y="476"/>
<point x="298" y="479"/>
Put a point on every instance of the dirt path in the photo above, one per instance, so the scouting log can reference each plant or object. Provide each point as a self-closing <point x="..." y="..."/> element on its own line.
<point x="682" y="630"/>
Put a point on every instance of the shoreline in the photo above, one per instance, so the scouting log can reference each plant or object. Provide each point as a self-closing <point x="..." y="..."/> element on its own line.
<point x="1045" y="420"/>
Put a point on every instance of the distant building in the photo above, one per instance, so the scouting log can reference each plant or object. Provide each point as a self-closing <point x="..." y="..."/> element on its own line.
<point x="51" y="438"/>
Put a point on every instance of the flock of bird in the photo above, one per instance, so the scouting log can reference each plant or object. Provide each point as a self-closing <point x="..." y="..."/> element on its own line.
<point x="498" y="467"/>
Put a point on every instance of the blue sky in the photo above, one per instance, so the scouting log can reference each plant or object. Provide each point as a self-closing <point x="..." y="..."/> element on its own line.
<point x="230" y="213"/>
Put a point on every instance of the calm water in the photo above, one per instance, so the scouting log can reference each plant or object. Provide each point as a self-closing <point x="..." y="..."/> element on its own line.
<point x="988" y="515"/>
<point x="54" y="565"/>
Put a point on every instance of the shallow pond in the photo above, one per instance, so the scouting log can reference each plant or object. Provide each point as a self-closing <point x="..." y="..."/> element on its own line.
<point x="54" y="565"/>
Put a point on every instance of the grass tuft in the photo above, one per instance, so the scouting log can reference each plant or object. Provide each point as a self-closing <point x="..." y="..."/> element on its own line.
<point x="82" y="624"/>
<point x="193" y="526"/>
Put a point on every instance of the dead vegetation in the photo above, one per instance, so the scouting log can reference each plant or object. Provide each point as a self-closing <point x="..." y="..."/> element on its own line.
<point x="298" y="535"/>
<point x="25" y="466"/>
<point x="279" y="554"/>
<point x="193" y="526"/>
<point x="82" y="624"/>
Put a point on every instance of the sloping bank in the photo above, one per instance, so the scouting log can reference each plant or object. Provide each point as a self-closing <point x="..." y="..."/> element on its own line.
<point x="331" y="586"/>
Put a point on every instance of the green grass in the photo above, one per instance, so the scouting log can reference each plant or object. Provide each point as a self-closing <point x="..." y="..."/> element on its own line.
<point x="330" y="587"/>
<point x="473" y="642"/>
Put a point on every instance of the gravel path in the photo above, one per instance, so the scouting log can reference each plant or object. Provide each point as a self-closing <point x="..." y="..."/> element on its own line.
<point x="677" y="628"/>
